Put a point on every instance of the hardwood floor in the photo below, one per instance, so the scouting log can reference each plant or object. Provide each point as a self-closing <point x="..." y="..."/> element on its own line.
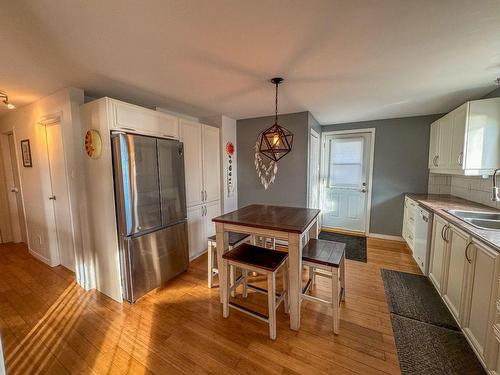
<point x="49" y="325"/>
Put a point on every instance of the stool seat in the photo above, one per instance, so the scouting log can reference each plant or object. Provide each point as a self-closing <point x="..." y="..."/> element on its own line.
<point x="327" y="253"/>
<point x="234" y="238"/>
<point x="256" y="256"/>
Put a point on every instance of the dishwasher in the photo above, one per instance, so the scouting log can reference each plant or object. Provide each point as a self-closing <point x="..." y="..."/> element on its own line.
<point x="423" y="228"/>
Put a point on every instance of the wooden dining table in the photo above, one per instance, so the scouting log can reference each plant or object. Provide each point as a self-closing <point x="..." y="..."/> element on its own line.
<point x="291" y="224"/>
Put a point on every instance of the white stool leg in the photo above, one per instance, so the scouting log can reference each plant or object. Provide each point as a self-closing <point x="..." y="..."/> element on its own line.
<point x="225" y="302"/>
<point x="232" y="278"/>
<point x="311" y="275"/>
<point x="342" y="277"/>
<point x="245" y="282"/>
<point x="210" y="262"/>
<point x="285" y="286"/>
<point x="335" y="300"/>
<point x="271" y="298"/>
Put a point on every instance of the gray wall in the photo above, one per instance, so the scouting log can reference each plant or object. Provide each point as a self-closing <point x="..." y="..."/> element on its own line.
<point x="290" y="186"/>
<point x="400" y="166"/>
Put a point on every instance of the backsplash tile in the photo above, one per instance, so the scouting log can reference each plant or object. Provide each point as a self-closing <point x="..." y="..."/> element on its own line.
<point x="476" y="189"/>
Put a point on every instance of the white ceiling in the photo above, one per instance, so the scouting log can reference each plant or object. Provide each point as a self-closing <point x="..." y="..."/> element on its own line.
<point x="342" y="60"/>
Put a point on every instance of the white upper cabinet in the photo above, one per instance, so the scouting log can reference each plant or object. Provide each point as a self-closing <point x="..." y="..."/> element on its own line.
<point x="202" y="162"/>
<point x="211" y="163"/>
<point x="466" y="141"/>
<point x="133" y="118"/>
<point x="193" y="161"/>
<point x="434" y="145"/>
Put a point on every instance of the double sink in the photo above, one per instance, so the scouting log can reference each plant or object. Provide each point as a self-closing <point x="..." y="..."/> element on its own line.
<point x="481" y="220"/>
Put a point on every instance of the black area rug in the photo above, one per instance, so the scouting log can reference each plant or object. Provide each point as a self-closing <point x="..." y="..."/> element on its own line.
<point x="413" y="296"/>
<point x="425" y="349"/>
<point x="355" y="247"/>
<point x="428" y="340"/>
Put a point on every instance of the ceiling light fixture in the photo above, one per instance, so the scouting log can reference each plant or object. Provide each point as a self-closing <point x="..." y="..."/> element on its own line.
<point x="5" y="99"/>
<point x="276" y="141"/>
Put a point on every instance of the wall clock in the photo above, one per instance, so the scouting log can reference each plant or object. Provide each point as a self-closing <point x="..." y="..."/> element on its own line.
<point x="93" y="144"/>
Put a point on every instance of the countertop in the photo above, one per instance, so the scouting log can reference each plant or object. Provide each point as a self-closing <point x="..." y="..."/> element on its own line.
<point x="437" y="203"/>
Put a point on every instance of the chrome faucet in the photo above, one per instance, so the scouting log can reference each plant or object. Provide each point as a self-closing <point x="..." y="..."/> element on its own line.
<point x="496" y="197"/>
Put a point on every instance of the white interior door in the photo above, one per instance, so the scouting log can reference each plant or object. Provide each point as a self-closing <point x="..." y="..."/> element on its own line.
<point x="14" y="192"/>
<point x="60" y="196"/>
<point x="345" y="183"/>
<point x="314" y="170"/>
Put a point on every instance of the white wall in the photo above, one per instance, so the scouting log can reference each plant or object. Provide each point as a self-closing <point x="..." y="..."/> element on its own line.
<point x="35" y="181"/>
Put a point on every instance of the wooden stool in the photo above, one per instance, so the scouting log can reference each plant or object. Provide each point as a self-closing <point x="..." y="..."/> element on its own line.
<point x="263" y="261"/>
<point x="329" y="258"/>
<point x="234" y="240"/>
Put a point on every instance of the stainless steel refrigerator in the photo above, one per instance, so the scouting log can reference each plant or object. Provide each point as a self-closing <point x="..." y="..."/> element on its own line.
<point x="150" y="200"/>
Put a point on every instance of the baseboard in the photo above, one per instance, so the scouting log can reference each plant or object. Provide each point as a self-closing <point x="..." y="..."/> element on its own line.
<point x="197" y="256"/>
<point x="386" y="237"/>
<point x="41" y="257"/>
<point x="344" y="231"/>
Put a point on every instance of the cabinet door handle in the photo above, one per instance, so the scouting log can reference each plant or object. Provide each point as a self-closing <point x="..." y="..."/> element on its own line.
<point x="434" y="160"/>
<point x="446" y="231"/>
<point x="460" y="158"/>
<point x="202" y="196"/>
<point x="442" y="232"/>
<point x="466" y="252"/>
<point x="437" y="160"/>
<point x="205" y="195"/>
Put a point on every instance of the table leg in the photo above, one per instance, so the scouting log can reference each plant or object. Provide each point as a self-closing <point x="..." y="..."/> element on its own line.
<point x="314" y="230"/>
<point x="222" y="238"/>
<point x="295" y="278"/>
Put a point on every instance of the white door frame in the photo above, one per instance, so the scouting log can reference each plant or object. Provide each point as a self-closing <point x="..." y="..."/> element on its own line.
<point x="56" y="120"/>
<point x="314" y="133"/>
<point x="370" y="166"/>
<point x="13" y="167"/>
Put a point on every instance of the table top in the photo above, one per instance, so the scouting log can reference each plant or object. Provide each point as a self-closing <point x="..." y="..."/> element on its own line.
<point x="280" y="218"/>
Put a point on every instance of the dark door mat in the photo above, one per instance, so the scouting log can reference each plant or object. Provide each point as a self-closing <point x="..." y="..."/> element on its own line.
<point x="413" y="296"/>
<point x="426" y="349"/>
<point x="355" y="247"/>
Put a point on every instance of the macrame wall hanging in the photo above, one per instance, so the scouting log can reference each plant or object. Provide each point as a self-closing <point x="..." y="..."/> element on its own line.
<point x="265" y="167"/>
<point x="272" y="144"/>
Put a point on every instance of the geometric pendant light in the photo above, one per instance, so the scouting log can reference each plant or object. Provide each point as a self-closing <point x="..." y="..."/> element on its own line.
<point x="276" y="141"/>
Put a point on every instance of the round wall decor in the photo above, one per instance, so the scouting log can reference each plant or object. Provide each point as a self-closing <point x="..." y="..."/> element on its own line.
<point x="93" y="144"/>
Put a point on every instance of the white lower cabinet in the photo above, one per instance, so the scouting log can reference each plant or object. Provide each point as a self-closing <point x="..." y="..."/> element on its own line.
<point x="439" y="248"/>
<point x="200" y="226"/>
<point x="466" y="274"/>
<point x="410" y="211"/>
<point x="480" y="306"/>
<point x="454" y="274"/>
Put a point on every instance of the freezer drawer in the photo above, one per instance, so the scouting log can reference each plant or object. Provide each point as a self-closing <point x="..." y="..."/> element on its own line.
<point x="149" y="260"/>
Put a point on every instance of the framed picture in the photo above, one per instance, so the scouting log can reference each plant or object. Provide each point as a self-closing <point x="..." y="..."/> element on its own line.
<point x="26" y="151"/>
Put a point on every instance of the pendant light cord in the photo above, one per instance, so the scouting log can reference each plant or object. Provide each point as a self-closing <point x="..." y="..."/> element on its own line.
<point x="276" y="105"/>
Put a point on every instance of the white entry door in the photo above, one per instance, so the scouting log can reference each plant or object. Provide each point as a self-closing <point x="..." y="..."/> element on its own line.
<point x="314" y="171"/>
<point x="345" y="183"/>
<point x="60" y="197"/>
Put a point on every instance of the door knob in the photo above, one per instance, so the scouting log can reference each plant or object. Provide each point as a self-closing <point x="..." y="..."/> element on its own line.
<point x="52" y="198"/>
<point x="363" y="190"/>
<point x="14" y="190"/>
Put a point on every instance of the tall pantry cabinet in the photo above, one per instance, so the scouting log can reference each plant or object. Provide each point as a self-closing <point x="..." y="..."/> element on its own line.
<point x="202" y="168"/>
